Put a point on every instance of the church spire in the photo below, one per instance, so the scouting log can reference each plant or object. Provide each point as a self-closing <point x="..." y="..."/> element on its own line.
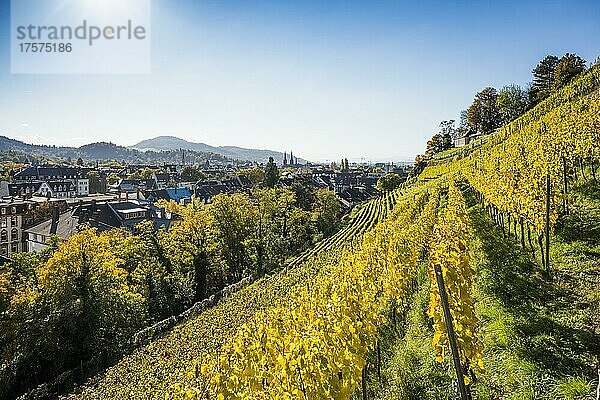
<point x="284" y="158"/>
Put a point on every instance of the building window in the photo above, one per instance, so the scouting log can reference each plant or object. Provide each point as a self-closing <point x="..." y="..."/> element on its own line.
<point x="4" y="250"/>
<point x="14" y="248"/>
<point x="3" y="223"/>
<point x="14" y="235"/>
<point x="13" y="221"/>
<point x="13" y="210"/>
<point x="3" y="211"/>
<point x="4" y="236"/>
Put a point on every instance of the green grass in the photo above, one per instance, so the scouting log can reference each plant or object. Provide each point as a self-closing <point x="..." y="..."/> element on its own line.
<point x="541" y="336"/>
<point x="410" y="371"/>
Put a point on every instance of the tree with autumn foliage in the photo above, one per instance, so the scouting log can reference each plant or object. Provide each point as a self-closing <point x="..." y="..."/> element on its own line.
<point x="233" y="219"/>
<point x="77" y="304"/>
<point x="483" y="114"/>
<point x="568" y="67"/>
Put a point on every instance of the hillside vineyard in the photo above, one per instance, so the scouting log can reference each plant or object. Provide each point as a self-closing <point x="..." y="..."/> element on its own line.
<point x="173" y="269"/>
<point x="320" y="341"/>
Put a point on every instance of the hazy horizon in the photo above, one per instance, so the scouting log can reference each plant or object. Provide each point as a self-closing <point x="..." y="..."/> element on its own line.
<point x="41" y="142"/>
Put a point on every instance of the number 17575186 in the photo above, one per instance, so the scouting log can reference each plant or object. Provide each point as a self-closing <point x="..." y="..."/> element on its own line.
<point x="45" y="47"/>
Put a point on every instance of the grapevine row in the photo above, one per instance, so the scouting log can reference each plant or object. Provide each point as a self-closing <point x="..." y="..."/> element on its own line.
<point x="151" y="371"/>
<point x="315" y="345"/>
<point x="511" y="175"/>
<point x="449" y="256"/>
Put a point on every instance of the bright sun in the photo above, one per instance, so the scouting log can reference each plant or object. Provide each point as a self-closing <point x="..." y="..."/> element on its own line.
<point x="103" y="8"/>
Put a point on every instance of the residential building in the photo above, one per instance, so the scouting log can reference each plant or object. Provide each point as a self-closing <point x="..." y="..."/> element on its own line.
<point x="132" y="186"/>
<point x="50" y="189"/>
<point x="15" y="214"/>
<point x="123" y="214"/>
<point x="56" y="173"/>
<point x="178" y="195"/>
<point x="469" y="137"/>
<point x="164" y="180"/>
<point x="205" y="190"/>
<point x="101" y="215"/>
<point x="62" y="225"/>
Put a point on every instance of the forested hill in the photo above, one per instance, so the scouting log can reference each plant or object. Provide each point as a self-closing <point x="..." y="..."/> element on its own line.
<point x="103" y="151"/>
<point x="166" y="143"/>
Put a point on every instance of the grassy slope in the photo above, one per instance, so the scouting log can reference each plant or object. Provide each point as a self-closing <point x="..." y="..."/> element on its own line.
<point x="541" y="337"/>
<point x="151" y="371"/>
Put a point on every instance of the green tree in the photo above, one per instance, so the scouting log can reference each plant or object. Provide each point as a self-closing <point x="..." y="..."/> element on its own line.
<point x="265" y="200"/>
<point x="463" y="126"/>
<point x="271" y="173"/>
<point x="278" y="235"/>
<point x="326" y="211"/>
<point x="418" y="166"/>
<point x="512" y="103"/>
<point x="75" y="305"/>
<point x="483" y="114"/>
<point x="192" y="174"/>
<point x="448" y="128"/>
<point x="85" y="284"/>
<point x="80" y="161"/>
<point x="256" y="175"/>
<point x="192" y="247"/>
<point x="113" y="179"/>
<point x="303" y="191"/>
<point x="43" y="211"/>
<point x="438" y="143"/>
<point x="543" y="79"/>
<point x="146" y="173"/>
<point x="234" y="220"/>
<point x="97" y="183"/>
<point x="300" y="231"/>
<point x="389" y="182"/>
<point x="153" y="268"/>
<point x="569" y="66"/>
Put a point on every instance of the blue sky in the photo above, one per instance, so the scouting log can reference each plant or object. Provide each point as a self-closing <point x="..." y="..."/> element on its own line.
<point x="326" y="79"/>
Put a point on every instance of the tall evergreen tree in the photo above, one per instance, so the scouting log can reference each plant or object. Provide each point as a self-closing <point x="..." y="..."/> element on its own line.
<point x="271" y="173"/>
<point x="543" y="79"/>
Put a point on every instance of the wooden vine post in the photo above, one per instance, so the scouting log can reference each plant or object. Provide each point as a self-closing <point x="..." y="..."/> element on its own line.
<point x="451" y="334"/>
<point x="522" y="233"/>
<point x="565" y="186"/>
<point x="364" y="383"/>
<point x="548" y="193"/>
<point x="378" y="361"/>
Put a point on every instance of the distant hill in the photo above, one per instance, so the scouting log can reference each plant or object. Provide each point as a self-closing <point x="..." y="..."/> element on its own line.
<point x="162" y="143"/>
<point x="103" y="151"/>
<point x="158" y="150"/>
